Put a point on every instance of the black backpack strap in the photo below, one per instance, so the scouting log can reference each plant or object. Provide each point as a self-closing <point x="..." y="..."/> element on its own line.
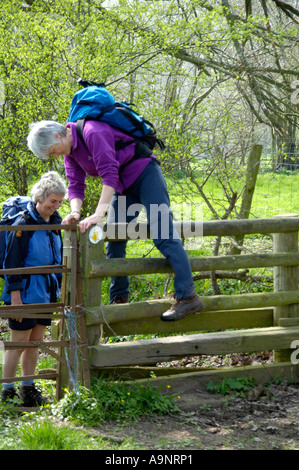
<point x="141" y="151"/>
<point x="79" y="128"/>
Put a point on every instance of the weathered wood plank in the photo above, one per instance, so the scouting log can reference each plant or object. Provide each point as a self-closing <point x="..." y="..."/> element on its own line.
<point x="31" y="311"/>
<point x="251" y="172"/>
<point x="285" y="278"/>
<point x="288" y="321"/>
<point x="34" y="344"/>
<point x="23" y="314"/>
<point x="34" y="228"/>
<point x="213" y="321"/>
<point x="40" y="375"/>
<point x="130" y="266"/>
<point x="34" y="270"/>
<point x="182" y="380"/>
<point x="188" y="228"/>
<point x="210" y="228"/>
<point x="166" y="349"/>
<point x="51" y="307"/>
<point x="186" y="382"/>
<point x="110" y="314"/>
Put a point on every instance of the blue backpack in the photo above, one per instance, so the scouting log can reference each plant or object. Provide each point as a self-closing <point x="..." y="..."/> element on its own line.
<point x="12" y="208"/>
<point x="94" y="102"/>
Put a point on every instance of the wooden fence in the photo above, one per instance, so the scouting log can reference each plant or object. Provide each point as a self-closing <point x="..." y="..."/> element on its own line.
<point x="229" y="324"/>
<point x="56" y="311"/>
<point x="244" y="323"/>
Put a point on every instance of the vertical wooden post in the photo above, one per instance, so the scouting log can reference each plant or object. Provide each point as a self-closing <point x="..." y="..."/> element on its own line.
<point x="81" y="323"/>
<point x="69" y="298"/>
<point x="73" y="302"/>
<point x="91" y="288"/>
<point x="61" y="371"/>
<point x="80" y="291"/>
<point x="285" y="278"/>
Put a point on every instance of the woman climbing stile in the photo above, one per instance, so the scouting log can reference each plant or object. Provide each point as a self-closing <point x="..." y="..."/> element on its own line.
<point x="132" y="172"/>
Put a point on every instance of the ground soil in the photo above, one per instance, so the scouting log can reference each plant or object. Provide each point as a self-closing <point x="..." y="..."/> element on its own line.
<point x="267" y="422"/>
<point x="265" y="418"/>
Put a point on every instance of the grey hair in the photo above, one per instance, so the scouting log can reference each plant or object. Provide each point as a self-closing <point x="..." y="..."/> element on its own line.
<point x="50" y="183"/>
<point x="42" y="136"/>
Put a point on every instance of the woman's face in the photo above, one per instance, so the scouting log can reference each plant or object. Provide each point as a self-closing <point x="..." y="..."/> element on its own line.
<point x="63" y="146"/>
<point x="48" y="206"/>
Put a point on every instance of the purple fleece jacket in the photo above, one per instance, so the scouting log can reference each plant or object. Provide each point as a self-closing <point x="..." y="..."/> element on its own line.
<point x="99" y="158"/>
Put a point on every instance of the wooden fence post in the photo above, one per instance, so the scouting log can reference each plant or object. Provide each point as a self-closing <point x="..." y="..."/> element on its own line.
<point x="69" y="294"/>
<point x="91" y="288"/>
<point x="62" y="370"/>
<point x="285" y="279"/>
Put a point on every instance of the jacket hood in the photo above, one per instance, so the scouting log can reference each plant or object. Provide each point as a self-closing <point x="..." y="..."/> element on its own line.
<point x="54" y="219"/>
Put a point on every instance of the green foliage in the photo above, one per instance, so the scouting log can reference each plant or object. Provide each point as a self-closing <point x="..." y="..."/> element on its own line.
<point x="112" y="400"/>
<point x="41" y="432"/>
<point x="107" y="400"/>
<point x="8" y="410"/>
<point x="44" y="435"/>
<point x="92" y="194"/>
<point x="237" y="386"/>
<point x="166" y="57"/>
<point x="47" y="435"/>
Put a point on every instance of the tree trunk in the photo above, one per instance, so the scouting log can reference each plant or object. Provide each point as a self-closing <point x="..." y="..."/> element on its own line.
<point x="251" y="178"/>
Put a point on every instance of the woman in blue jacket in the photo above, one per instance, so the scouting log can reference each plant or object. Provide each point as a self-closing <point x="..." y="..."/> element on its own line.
<point x="27" y="249"/>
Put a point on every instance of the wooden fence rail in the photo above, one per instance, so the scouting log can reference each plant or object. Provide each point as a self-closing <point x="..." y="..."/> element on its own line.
<point x="128" y="267"/>
<point x="188" y="229"/>
<point x="146" y="352"/>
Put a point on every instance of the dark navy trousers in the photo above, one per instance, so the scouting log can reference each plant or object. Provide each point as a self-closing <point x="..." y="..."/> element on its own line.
<point x="150" y="192"/>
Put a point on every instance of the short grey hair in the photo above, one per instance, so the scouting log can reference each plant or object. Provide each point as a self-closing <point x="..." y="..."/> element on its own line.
<point x="42" y="136"/>
<point x="50" y="183"/>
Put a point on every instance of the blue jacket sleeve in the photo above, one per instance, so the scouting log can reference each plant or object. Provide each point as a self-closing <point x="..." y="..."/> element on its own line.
<point x="16" y="251"/>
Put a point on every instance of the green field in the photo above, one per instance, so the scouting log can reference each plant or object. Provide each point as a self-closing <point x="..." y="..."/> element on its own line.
<point x="275" y="193"/>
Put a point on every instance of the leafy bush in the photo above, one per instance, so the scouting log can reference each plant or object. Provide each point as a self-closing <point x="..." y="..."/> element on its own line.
<point x="232" y="385"/>
<point x="112" y="400"/>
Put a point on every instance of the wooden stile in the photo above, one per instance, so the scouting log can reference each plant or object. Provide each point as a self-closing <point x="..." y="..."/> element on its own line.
<point x="257" y="321"/>
<point x="54" y="311"/>
<point x="253" y="317"/>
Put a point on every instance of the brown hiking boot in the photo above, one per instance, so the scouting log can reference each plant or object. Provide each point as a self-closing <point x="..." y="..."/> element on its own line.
<point x="183" y="307"/>
<point x="120" y="299"/>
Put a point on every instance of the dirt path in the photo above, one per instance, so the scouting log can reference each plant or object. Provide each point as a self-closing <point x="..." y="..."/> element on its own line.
<point x="267" y="418"/>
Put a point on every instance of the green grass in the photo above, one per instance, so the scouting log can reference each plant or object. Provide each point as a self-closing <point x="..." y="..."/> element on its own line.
<point x="275" y="193"/>
<point x="54" y="428"/>
<point x="41" y="432"/>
